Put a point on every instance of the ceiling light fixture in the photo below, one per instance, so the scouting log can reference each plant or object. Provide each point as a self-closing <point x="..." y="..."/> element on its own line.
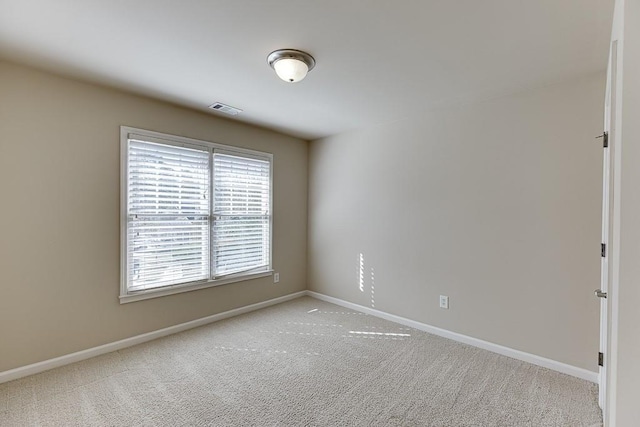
<point x="291" y="65"/>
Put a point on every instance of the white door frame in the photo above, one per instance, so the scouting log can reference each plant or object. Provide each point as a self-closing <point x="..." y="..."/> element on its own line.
<point x="607" y="206"/>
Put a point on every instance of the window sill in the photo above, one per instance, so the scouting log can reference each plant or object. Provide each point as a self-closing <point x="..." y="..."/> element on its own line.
<point x="187" y="287"/>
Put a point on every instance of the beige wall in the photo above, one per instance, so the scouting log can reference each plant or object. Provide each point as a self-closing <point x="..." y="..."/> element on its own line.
<point x="59" y="241"/>
<point x="496" y="205"/>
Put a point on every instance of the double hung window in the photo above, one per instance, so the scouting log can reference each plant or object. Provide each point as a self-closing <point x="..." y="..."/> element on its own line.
<point x="195" y="214"/>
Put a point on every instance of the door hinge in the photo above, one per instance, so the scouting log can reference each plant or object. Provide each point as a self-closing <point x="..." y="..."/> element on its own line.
<point x="603" y="250"/>
<point x="600" y="359"/>
<point x="605" y="139"/>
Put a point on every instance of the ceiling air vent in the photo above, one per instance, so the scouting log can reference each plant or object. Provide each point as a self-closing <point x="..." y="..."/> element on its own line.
<point x="227" y="109"/>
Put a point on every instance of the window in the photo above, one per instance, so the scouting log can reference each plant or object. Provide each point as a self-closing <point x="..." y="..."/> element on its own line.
<point x="195" y="214"/>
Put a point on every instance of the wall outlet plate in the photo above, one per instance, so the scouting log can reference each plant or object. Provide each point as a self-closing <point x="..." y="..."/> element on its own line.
<point x="276" y="277"/>
<point x="444" y="302"/>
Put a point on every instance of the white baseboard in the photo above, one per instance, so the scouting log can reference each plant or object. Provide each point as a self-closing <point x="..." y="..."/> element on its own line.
<point x="495" y="348"/>
<point x="45" y="365"/>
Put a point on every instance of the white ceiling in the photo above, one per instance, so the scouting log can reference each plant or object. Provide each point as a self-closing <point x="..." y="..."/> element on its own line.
<point x="377" y="60"/>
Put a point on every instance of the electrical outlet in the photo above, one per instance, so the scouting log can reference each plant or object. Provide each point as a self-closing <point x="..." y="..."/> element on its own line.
<point x="276" y="277"/>
<point x="444" y="302"/>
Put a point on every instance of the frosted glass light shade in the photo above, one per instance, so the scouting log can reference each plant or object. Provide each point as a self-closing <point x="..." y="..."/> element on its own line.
<point x="290" y="69"/>
<point x="291" y="65"/>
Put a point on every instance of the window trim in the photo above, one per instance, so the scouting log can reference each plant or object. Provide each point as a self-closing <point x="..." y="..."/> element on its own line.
<point x="181" y="141"/>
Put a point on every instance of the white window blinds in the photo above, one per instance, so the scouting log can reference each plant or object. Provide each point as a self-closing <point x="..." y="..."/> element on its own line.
<point x="242" y="214"/>
<point x="196" y="212"/>
<point x="168" y="214"/>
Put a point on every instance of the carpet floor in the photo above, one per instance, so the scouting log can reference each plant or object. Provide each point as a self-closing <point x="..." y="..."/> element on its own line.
<point x="301" y="363"/>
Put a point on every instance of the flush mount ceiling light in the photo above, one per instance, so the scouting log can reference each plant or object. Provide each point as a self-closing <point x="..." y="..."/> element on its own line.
<point x="291" y="65"/>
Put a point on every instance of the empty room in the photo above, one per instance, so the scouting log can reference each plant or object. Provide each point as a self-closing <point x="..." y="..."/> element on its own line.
<point x="320" y="213"/>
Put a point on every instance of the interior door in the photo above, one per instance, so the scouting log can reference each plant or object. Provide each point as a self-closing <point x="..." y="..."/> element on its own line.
<point x="607" y="193"/>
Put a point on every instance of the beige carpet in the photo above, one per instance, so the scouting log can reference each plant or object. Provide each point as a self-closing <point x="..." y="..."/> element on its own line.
<point x="301" y="363"/>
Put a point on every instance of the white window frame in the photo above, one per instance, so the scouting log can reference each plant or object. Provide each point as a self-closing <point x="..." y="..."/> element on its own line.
<point x="131" y="296"/>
